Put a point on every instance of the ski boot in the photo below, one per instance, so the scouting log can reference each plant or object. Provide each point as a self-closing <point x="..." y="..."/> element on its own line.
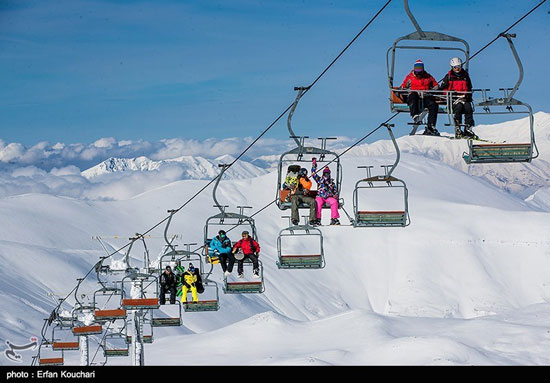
<point x="468" y="133"/>
<point x="458" y="133"/>
<point x="256" y="274"/>
<point x="334" y="221"/>
<point x="431" y="131"/>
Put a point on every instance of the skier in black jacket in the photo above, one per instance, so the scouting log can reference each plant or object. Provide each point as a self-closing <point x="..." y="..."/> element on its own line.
<point x="167" y="282"/>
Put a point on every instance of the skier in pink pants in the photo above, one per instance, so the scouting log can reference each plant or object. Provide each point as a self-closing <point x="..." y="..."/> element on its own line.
<point x="326" y="192"/>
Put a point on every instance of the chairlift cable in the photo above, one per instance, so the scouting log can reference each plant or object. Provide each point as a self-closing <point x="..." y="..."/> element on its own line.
<point x="507" y="29"/>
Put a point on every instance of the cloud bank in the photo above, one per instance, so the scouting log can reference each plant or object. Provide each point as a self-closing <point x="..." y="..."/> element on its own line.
<point x="56" y="168"/>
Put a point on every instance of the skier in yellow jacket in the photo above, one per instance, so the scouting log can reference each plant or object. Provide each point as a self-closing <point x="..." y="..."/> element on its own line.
<point x="189" y="282"/>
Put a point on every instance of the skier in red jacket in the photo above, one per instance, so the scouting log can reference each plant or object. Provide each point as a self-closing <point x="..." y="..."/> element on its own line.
<point x="420" y="80"/>
<point x="458" y="81"/>
<point x="250" y="249"/>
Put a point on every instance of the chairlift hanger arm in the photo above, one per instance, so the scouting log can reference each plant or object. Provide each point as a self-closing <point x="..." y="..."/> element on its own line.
<point x="301" y="91"/>
<point x="224" y="168"/>
<point x="508" y="37"/>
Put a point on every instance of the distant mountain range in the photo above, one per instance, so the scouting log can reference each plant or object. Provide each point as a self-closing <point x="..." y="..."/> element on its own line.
<point x="198" y="168"/>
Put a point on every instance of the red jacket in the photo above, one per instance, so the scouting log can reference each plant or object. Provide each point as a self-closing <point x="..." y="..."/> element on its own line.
<point x="422" y="81"/>
<point x="248" y="246"/>
<point x="457" y="82"/>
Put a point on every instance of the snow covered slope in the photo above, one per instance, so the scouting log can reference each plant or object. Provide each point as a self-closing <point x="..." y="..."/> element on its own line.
<point x="466" y="283"/>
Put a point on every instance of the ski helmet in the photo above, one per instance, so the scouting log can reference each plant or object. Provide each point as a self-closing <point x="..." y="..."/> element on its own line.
<point x="456" y="61"/>
<point x="303" y="172"/>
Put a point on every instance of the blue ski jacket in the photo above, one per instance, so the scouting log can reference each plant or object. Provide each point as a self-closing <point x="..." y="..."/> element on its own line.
<point x="222" y="246"/>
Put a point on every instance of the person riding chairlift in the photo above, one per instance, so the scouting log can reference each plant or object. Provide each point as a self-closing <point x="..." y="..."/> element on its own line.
<point x="418" y="80"/>
<point x="327" y="191"/>
<point x="299" y="195"/>
<point x="251" y="250"/>
<point x="457" y="80"/>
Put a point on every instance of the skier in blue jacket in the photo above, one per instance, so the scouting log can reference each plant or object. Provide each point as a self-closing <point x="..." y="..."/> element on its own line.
<point x="221" y="246"/>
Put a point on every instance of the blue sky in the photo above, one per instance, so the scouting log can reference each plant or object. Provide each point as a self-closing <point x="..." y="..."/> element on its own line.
<point x="79" y="70"/>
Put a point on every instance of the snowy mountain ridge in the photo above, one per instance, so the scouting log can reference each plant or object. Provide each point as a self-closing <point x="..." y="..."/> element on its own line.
<point x="194" y="167"/>
<point x="521" y="179"/>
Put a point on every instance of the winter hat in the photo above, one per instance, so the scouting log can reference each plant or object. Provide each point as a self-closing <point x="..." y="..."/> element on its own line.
<point x="326" y="170"/>
<point x="418" y="66"/>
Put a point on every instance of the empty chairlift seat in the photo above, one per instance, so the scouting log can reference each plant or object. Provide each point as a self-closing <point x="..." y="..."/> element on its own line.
<point x="65" y="346"/>
<point x="381" y="218"/>
<point x="114" y="352"/>
<point x="300" y="261"/>
<point x="206" y="305"/>
<point x="290" y="255"/>
<point x="140" y="303"/>
<point x="58" y="361"/>
<point x="498" y="153"/>
<point x="243" y="287"/>
<point x="87" y="330"/>
<point x="107" y="315"/>
<point x="170" y="321"/>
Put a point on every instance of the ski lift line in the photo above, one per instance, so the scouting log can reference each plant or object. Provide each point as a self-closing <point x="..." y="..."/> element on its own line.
<point x="347" y="46"/>
<point x="275" y="121"/>
<point x="507" y="29"/>
<point x="250" y="145"/>
<point x="361" y="140"/>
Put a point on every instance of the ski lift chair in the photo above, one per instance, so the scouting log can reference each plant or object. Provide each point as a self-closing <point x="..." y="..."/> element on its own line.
<point x="384" y="218"/>
<point x="504" y="152"/>
<point x="61" y="340"/>
<point x="245" y="287"/>
<point x="142" y="303"/>
<point x="80" y="326"/>
<point x="114" y="344"/>
<point x="380" y="218"/>
<point x="48" y="356"/>
<point x="421" y="40"/>
<point x="170" y="321"/>
<point x="226" y="221"/>
<point x="313" y="260"/>
<point x="205" y="304"/>
<point x="302" y="156"/>
<point x="109" y="311"/>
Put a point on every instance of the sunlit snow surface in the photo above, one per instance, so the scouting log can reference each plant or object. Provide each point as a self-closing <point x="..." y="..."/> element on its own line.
<point x="468" y="282"/>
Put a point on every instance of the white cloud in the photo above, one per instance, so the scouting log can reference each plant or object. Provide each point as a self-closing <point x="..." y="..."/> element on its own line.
<point x="56" y="169"/>
<point x="104" y="142"/>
